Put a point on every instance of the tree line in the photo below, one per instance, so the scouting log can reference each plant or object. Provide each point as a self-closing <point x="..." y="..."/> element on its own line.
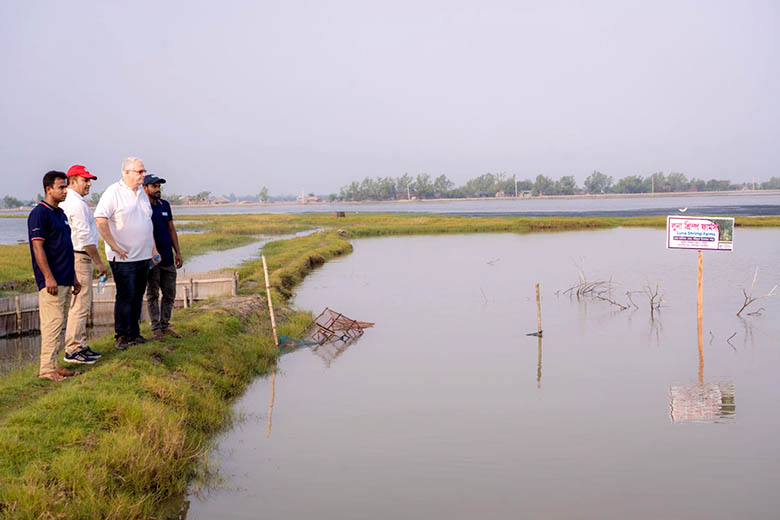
<point x="423" y="186"/>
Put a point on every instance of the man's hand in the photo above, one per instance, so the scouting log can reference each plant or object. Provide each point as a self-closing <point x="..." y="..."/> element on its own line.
<point x="102" y="269"/>
<point x="51" y="285"/>
<point x="178" y="260"/>
<point x="76" y="286"/>
<point x="121" y="252"/>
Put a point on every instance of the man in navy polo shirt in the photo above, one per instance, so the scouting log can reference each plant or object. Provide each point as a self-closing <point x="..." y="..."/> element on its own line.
<point x="52" y="261"/>
<point x="162" y="277"/>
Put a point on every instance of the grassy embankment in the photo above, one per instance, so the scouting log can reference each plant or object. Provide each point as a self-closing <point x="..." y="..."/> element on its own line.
<point x="132" y="431"/>
<point x="121" y="439"/>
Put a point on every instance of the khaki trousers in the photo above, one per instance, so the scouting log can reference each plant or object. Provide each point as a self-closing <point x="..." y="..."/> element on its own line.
<point x="53" y="311"/>
<point x="76" y="332"/>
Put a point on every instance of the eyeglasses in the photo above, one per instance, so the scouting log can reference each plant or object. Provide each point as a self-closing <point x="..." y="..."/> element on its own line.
<point x="138" y="171"/>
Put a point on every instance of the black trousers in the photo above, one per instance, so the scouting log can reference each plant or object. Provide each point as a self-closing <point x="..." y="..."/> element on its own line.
<point x="162" y="279"/>
<point x="130" y="279"/>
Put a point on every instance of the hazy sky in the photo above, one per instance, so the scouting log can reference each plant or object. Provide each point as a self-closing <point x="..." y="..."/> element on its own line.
<point x="230" y="96"/>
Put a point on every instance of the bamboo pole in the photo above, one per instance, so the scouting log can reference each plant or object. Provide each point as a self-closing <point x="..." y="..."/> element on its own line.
<point x="18" y="315"/>
<point x="538" y="312"/>
<point x="698" y="318"/>
<point x="270" y="303"/>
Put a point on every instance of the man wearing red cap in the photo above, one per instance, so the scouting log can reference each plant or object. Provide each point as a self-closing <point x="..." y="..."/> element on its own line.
<point x="84" y="235"/>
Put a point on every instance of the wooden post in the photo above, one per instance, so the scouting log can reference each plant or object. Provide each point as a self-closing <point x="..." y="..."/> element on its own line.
<point x="234" y="289"/>
<point x="18" y="315"/>
<point x="270" y="303"/>
<point x="192" y="292"/>
<point x="698" y="318"/>
<point x="186" y="297"/>
<point x="538" y="312"/>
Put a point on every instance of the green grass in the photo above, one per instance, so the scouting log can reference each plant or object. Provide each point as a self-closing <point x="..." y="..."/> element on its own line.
<point x="16" y="269"/>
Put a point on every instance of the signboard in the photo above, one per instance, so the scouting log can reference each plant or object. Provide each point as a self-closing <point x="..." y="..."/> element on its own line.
<point x="700" y="233"/>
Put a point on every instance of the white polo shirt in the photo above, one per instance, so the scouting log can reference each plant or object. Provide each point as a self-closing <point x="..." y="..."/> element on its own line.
<point x="129" y="217"/>
<point x="83" y="230"/>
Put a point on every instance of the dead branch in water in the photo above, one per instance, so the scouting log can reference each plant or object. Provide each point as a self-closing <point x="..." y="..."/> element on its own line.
<point x="597" y="290"/>
<point x="613" y="302"/>
<point x="749" y="298"/>
<point x="655" y="298"/>
<point x="628" y="295"/>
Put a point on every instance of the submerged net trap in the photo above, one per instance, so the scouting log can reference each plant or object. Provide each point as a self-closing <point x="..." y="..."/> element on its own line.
<point x="331" y="325"/>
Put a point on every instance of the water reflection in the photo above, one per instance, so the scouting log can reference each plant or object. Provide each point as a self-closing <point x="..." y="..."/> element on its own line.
<point x="271" y="403"/>
<point x="19" y="351"/>
<point x="539" y="365"/>
<point x="702" y="403"/>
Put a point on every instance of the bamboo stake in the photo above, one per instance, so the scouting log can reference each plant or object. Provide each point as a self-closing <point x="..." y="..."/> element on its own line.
<point x="270" y="303"/>
<point x="18" y="315"/>
<point x="698" y="317"/>
<point x="538" y="312"/>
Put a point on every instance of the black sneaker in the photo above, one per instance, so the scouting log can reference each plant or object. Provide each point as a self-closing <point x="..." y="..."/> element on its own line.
<point x="121" y="343"/>
<point x="79" y="357"/>
<point x="91" y="353"/>
<point x="138" y="340"/>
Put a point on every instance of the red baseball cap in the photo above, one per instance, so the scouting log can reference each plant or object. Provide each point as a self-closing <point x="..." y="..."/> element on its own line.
<point x="78" y="169"/>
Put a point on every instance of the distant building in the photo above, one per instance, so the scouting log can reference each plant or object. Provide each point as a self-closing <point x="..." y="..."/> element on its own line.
<point x="306" y="200"/>
<point x="219" y="200"/>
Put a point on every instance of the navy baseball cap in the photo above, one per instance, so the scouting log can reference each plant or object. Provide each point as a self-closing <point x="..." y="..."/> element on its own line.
<point x="152" y="179"/>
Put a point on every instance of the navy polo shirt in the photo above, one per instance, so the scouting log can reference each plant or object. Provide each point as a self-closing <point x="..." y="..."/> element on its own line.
<point x="161" y="215"/>
<point x="50" y="224"/>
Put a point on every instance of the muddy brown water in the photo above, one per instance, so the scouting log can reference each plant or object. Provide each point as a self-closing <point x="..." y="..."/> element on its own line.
<point x="446" y="409"/>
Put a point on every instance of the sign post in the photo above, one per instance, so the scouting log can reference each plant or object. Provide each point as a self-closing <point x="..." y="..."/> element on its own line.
<point x="700" y="234"/>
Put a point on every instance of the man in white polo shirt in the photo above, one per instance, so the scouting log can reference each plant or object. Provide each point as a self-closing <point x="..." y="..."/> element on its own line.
<point x="124" y="219"/>
<point x="84" y="235"/>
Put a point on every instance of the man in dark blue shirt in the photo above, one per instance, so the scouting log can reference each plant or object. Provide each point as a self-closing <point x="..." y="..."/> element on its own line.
<point x="162" y="277"/>
<point x="52" y="261"/>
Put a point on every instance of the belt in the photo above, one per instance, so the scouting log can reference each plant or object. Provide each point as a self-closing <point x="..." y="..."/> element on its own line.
<point x="81" y="252"/>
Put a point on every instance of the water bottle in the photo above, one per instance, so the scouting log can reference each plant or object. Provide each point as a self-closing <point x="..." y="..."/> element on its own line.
<point x="154" y="261"/>
<point x="101" y="284"/>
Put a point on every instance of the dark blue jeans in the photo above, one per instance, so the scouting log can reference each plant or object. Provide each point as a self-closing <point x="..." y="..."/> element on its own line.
<point x="130" y="279"/>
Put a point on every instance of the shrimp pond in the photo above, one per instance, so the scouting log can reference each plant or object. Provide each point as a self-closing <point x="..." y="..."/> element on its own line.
<point x="447" y="409"/>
